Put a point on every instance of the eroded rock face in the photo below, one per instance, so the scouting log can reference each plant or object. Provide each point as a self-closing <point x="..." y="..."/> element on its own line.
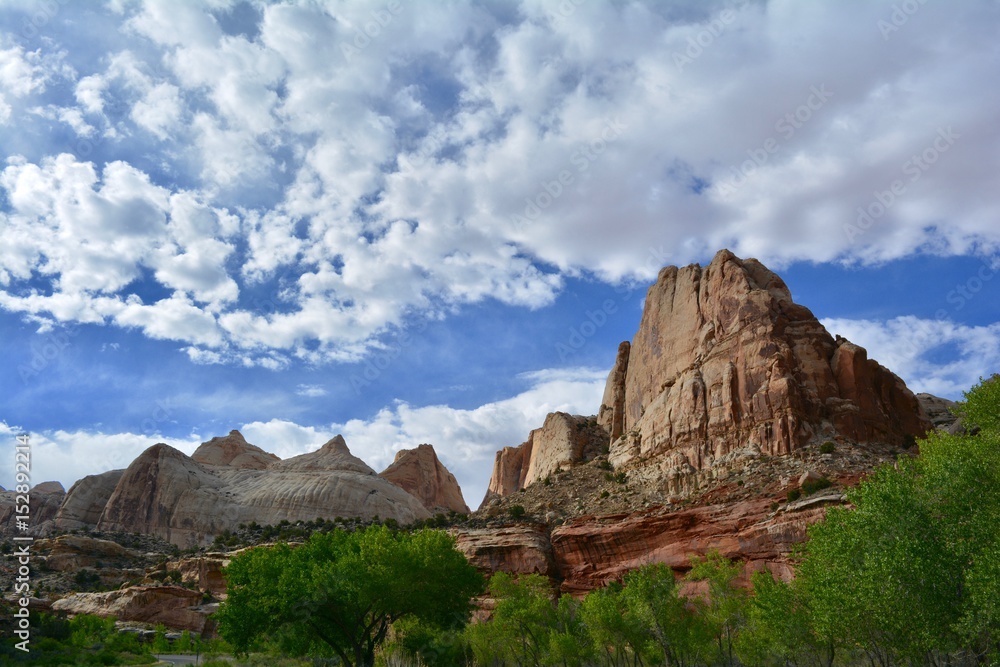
<point x="612" y="412"/>
<point x="173" y="606"/>
<point x="85" y="501"/>
<point x="591" y="551"/>
<point x="233" y="450"/>
<point x="68" y="553"/>
<point x="522" y="549"/>
<point x="45" y="499"/>
<point x="724" y="359"/>
<point x="170" y="495"/>
<point x="562" y="441"/>
<point x="419" y="472"/>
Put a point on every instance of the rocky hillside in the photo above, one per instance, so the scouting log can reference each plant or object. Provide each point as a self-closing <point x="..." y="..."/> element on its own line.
<point x="189" y="500"/>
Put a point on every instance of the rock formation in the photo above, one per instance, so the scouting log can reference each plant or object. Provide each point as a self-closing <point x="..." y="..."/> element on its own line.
<point x="562" y="441"/>
<point x="69" y="553"/>
<point x="173" y="496"/>
<point x="724" y="363"/>
<point x="724" y="359"/>
<point x="85" y="501"/>
<point x="173" y="606"/>
<point x="724" y="380"/>
<point x="44" y="498"/>
<point x="419" y="472"/>
<point x="234" y="451"/>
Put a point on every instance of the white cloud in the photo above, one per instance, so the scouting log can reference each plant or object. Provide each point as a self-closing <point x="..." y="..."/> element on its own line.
<point x="461" y="153"/>
<point x="935" y="356"/>
<point x="311" y="390"/>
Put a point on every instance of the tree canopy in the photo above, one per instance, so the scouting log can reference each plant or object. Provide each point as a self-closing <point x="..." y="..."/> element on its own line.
<point x="340" y="592"/>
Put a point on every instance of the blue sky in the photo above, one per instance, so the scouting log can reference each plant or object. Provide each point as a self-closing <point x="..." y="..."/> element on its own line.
<point x="388" y="219"/>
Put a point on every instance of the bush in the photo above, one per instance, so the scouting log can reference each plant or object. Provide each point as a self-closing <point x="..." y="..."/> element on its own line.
<point x="811" y="486"/>
<point x="517" y="511"/>
<point x="827" y="447"/>
<point x="793" y="495"/>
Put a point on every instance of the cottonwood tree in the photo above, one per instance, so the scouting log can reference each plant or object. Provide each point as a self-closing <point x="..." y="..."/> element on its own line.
<point x="340" y="592"/>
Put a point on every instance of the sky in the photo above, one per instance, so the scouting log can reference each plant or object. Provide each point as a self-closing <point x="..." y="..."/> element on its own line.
<point x="433" y="222"/>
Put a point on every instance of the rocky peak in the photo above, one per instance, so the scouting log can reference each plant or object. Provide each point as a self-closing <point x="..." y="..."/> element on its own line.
<point x="233" y="450"/>
<point x="333" y="455"/>
<point x="420" y="473"/>
<point x="48" y="487"/>
<point x="724" y="360"/>
<point x="562" y="441"/>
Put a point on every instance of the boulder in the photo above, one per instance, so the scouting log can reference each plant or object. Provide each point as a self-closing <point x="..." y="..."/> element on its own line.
<point x="175" y="607"/>
<point x="519" y="549"/>
<point x="419" y="472"/>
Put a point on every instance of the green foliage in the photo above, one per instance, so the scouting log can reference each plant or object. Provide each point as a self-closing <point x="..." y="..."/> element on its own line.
<point x="793" y="495"/>
<point x="980" y="407"/>
<point x="339" y="593"/>
<point x="524" y="614"/>
<point x="811" y="486"/>
<point x="827" y="447"/>
<point x="724" y="613"/>
<point x="516" y="511"/>
<point x="911" y="572"/>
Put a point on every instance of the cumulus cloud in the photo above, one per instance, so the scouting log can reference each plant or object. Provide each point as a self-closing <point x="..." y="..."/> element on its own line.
<point x="382" y="163"/>
<point x="935" y="356"/>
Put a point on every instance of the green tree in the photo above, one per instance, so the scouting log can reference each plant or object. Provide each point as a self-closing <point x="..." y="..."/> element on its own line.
<point x="910" y="574"/>
<point x="340" y="592"/>
<point x="673" y="624"/>
<point x="518" y="631"/>
<point x="724" y="611"/>
<point x="778" y="628"/>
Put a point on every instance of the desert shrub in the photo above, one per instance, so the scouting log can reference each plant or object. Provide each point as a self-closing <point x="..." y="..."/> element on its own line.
<point x="516" y="511"/>
<point x="811" y="486"/>
<point x="793" y="495"/>
<point x="827" y="447"/>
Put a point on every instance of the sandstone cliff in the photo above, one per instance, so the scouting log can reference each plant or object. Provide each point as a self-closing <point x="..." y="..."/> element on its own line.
<point x="563" y="440"/>
<point x="419" y="472"/>
<point x="724" y="361"/>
